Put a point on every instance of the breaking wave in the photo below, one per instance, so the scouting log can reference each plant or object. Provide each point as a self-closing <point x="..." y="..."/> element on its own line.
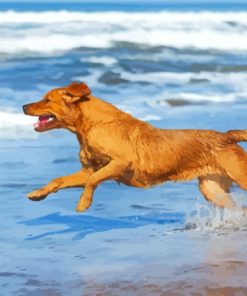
<point x="52" y="32"/>
<point x="15" y="126"/>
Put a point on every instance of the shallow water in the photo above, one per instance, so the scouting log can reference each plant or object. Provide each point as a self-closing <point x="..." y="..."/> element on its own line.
<point x="163" y="241"/>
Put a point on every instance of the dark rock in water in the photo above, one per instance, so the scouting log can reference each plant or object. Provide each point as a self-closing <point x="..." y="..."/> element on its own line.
<point x="133" y="47"/>
<point x="218" y="68"/>
<point x="232" y="24"/>
<point x="180" y="102"/>
<point x="141" y="82"/>
<point x="111" y="78"/>
<point x="195" y="81"/>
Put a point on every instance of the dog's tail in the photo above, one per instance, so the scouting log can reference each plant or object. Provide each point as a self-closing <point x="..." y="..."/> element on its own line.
<point x="237" y="135"/>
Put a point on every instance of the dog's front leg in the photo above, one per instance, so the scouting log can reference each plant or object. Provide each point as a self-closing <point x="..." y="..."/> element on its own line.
<point x="77" y="179"/>
<point x="112" y="170"/>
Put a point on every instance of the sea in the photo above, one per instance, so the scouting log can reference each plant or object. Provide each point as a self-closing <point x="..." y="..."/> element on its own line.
<point x="174" y="65"/>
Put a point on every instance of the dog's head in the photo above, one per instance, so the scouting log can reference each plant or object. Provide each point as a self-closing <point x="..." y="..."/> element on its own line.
<point x="59" y="107"/>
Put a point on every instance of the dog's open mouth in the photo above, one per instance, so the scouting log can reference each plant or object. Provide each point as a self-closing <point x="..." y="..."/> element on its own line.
<point x="44" y="122"/>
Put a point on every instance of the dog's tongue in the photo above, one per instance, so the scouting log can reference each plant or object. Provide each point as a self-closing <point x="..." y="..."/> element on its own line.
<point x="42" y="121"/>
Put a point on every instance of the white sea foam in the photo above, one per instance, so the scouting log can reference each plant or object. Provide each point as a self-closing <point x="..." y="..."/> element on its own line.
<point x="15" y="126"/>
<point x="107" y="61"/>
<point x="118" y="17"/>
<point x="50" y="32"/>
<point x="148" y="117"/>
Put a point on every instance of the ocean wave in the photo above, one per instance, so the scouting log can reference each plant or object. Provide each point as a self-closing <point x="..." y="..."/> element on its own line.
<point x="190" y="87"/>
<point x="104" y="60"/>
<point x="51" y="32"/>
<point x="161" y="78"/>
<point x="233" y="18"/>
<point x="16" y="126"/>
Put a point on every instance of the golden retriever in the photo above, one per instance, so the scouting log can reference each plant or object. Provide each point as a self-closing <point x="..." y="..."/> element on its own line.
<point x="117" y="146"/>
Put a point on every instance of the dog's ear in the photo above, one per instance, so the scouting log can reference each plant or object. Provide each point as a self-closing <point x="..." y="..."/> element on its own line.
<point x="75" y="92"/>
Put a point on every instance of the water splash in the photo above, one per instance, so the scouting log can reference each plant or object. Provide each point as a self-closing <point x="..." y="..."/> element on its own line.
<point x="207" y="218"/>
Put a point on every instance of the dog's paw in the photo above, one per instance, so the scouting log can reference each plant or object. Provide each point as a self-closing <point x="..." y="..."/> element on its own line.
<point x="82" y="207"/>
<point x="37" y="195"/>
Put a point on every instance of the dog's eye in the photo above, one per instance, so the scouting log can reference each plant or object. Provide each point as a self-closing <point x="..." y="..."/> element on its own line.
<point x="47" y="100"/>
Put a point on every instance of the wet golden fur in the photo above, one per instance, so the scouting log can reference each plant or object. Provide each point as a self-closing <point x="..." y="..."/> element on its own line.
<point x="115" y="145"/>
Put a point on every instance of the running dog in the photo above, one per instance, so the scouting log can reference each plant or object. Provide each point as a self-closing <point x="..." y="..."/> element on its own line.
<point x="116" y="146"/>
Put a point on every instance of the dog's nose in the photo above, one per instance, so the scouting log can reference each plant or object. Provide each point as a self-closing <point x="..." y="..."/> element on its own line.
<point x="24" y="107"/>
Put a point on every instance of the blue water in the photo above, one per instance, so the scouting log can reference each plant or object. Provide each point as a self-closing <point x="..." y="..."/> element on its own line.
<point x="175" y="66"/>
<point x="95" y="6"/>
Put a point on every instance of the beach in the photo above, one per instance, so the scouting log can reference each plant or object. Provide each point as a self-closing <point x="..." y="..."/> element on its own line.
<point x="174" y="67"/>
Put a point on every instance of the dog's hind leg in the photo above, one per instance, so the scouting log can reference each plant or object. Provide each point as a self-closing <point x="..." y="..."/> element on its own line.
<point x="233" y="160"/>
<point x="215" y="189"/>
<point x="77" y="179"/>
